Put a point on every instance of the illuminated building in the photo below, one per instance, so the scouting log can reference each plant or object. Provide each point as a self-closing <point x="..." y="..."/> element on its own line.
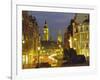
<point x="80" y="41"/>
<point x="59" y="38"/>
<point x="46" y="32"/>
<point x="79" y="34"/>
<point x="30" y="39"/>
<point x="79" y="18"/>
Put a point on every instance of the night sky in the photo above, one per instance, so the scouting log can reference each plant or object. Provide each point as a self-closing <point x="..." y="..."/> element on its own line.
<point x="57" y="22"/>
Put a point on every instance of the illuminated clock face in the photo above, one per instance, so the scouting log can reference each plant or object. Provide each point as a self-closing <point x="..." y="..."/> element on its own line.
<point x="45" y="31"/>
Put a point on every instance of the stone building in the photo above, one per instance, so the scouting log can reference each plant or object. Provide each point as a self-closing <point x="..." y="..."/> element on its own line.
<point x="30" y="39"/>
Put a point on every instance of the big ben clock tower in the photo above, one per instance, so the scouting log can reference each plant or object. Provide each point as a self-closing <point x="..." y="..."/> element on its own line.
<point x="46" y="32"/>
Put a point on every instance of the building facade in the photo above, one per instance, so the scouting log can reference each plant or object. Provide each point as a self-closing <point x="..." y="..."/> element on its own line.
<point x="30" y="39"/>
<point x="59" y="38"/>
<point x="80" y="39"/>
<point x="78" y="32"/>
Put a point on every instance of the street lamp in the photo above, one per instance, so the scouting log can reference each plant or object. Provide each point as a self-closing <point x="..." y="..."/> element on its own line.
<point x="59" y="46"/>
<point x="38" y="48"/>
<point x="75" y="39"/>
<point x="23" y="41"/>
<point x="70" y="41"/>
<point x="38" y="55"/>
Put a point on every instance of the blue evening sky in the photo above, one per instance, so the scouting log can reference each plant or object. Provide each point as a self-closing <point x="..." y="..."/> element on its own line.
<point x="57" y="21"/>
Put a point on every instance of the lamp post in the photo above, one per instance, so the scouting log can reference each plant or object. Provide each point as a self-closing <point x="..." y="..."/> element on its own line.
<point x="23" y="41"/>
<point x="38" y="55"/>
